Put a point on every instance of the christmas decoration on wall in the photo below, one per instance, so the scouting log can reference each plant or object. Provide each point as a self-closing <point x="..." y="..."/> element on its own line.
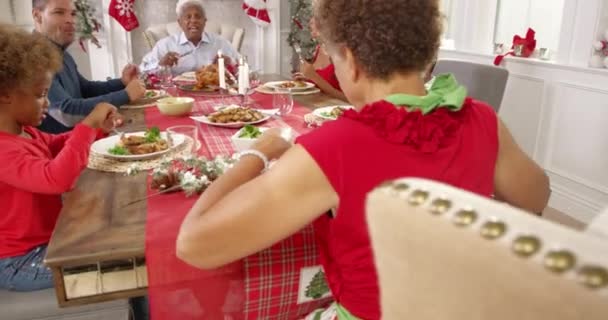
<point x="522" y="47"/>
<point x="599" y="59"/>
<point x="257" y="10"/>
<point x="86" y="24"/>
<point x="300" y="37"/>
<point x="124" y="12"/>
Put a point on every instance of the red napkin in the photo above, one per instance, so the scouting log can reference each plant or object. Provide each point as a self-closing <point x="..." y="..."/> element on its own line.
<point x="529" y="44"/>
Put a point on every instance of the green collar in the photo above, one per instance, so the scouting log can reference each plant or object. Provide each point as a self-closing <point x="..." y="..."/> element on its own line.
<point x="444" y="92"/>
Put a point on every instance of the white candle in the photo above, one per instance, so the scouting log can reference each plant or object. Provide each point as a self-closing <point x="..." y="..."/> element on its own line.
<point x="246" y="76"/>
<point x="242" y="77"/>
<point x="221" y="70"/>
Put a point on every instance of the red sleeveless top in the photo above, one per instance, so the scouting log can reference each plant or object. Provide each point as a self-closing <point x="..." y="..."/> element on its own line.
<point x="328" y="73"/>
<point x="361" y="150"/>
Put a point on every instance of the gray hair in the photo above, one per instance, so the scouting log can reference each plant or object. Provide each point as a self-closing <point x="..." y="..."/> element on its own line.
<point x="183" y="4"/>
<point x="39" y="4"/>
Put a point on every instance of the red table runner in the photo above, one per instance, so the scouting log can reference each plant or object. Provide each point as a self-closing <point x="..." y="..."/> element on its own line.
<point x="263" y="286"/>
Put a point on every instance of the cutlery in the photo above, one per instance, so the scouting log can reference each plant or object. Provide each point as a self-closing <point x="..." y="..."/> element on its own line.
<point x="174" y="188"/>
<point x="186" y="53"/>
<point x="298" y="49"/>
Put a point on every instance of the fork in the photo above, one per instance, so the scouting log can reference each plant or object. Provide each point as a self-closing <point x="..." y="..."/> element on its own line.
<point x="298" y="49"/>
<point x="186" y="53"/>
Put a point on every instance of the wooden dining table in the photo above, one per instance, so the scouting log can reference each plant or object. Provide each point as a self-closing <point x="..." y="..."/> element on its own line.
<point x="96" y="252"/>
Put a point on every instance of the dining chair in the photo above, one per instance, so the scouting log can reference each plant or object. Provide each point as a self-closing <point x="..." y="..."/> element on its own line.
<point x="483" y="82"/>
<point x="233" y="34"/>
<point x="599" y="225"/>
<point x="444" y="253"/>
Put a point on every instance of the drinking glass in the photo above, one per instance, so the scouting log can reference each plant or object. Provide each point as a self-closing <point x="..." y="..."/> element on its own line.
<point x="190" y="133"/>
<point x="166" y="78"/>
<point x="283" y="101"/>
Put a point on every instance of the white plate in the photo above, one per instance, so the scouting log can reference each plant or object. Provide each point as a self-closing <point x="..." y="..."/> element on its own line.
<point x="320" y="112"/>
<point x="102" y="146"/>
<point x="189" y="75"/>
<point x="235" y="125"/>
<point x="277" y="85"/>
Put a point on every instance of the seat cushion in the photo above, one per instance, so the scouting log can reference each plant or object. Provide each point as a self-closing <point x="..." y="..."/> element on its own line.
<point x="43" y="305"/>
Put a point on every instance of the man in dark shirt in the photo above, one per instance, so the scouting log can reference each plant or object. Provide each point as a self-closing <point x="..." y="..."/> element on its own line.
<point x="71" y="96"/>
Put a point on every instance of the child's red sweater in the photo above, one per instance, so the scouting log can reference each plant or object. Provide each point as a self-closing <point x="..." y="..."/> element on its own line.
<point x="33" y="175"/>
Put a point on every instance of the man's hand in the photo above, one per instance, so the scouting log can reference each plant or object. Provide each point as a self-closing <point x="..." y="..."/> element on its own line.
<point x="129" y="73"/>
<point x="136" y="90"/>
<point x="169" y="60"/>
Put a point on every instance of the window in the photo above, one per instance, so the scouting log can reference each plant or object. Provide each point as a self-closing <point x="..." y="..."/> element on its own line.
<point x="516" y="16"/>
<point x="447" y="38"/>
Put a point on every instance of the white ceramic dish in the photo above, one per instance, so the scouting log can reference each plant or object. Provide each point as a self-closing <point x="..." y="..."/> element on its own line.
<point x="102" y="146"/>
<point x="175" y="106"/>
<point x="242" y="144"/>
<point x="324" y="113"/>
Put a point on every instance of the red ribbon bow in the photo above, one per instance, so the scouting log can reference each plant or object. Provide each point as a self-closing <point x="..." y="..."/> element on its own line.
<point x="528" y="45"/>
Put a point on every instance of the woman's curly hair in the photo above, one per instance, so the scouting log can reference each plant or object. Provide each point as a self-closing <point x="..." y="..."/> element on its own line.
<point x="24" y="58"/>
<point x="385" y="36"/>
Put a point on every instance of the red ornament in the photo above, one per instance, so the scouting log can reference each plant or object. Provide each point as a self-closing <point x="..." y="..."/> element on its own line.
<point x="528" y="45"/>
<point x="257" y="10"/>
<point x="124" y="12"/>
<point x="298" y="23"/>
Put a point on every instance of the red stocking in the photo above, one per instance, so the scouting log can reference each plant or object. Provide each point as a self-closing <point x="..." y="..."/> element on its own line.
<point x="124" y="12"/>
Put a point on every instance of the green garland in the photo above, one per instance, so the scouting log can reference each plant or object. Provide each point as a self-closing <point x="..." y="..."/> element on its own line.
<point x="300" y="32"/>
<point x="87" y="25"/>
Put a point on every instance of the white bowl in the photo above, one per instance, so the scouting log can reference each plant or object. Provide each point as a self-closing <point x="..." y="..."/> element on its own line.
<point x="175" y="106"/>
<point x="242" y="144"/>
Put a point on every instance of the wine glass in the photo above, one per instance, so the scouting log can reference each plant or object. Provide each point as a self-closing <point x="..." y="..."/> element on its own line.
<point x="254" y="82"/>
<point x="165" y="75"/>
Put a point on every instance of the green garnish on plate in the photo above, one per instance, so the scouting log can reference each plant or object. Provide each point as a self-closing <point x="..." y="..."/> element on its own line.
<point x="152" y="134"/>
<point x="250" y="132"/>
<point x="119" y="151"/>
<point x="328" y="115"/>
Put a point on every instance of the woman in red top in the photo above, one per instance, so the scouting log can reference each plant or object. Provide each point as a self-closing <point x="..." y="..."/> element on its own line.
<point x="398" y="129"/>
<point x="36" y="167"/>
<point x="321" y="70"/>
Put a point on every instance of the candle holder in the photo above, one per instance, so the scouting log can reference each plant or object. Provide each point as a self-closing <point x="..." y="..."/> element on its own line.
<point x="499" y="48"/>
<point x="518" y="50"/>
<point x="544" y="54"/>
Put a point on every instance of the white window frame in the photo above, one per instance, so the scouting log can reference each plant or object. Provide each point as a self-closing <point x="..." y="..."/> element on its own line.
<point x="473" y="22"/>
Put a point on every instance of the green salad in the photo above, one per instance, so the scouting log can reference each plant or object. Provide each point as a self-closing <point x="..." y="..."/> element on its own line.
<point x="152" y="134"/>
<point x="250" y="132"/>
<point x="150" y="94"/>
<point x="328" y="114"/>
<point x="119" y="151"/>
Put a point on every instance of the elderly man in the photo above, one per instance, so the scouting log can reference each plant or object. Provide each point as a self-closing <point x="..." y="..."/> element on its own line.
<point x="71" y="96"/>
<point x="193" y="47"/>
